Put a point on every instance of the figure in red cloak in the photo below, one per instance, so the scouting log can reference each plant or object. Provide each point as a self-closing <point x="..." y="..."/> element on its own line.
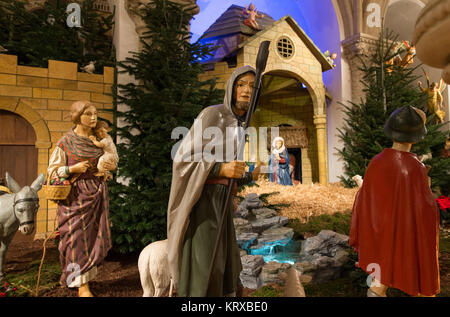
<point x="395" y="220"/>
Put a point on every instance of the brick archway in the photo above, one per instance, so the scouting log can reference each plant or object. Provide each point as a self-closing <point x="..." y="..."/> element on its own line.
<point x="25" y="110"/>
<point x="316" y="91"/>
<point x="43" y="145"/>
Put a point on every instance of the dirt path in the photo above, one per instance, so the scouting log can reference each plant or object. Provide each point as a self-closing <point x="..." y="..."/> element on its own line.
<point x="118" y="276"/>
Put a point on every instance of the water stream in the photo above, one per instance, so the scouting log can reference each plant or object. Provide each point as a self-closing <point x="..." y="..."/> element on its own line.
<point x="281" y="251"/>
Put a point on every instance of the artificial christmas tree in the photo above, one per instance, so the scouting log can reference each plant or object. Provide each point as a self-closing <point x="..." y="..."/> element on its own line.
<point x="39" y="34"/>
<point x="387" y="86"/>
<point x="167" y="95"/>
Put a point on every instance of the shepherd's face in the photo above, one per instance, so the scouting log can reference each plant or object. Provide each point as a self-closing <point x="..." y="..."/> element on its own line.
<point x="243" y="91"/>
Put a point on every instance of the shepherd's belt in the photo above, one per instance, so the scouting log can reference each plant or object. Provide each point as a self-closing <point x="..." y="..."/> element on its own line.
<point x="222" y="181"/>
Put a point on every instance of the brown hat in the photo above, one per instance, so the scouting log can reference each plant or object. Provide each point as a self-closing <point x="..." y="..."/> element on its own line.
<point x="405" y="125"/>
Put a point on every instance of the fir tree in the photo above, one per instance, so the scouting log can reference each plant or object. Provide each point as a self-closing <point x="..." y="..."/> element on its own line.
<point x="96" y="33"/>
<point x="168" y="94"/>
<point x="363" y="135"/>
<point x="38" y="35"/>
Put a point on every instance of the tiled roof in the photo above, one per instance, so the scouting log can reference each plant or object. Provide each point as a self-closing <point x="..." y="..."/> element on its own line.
<point x="224" y="33"/>
<point x="232" y="22"/>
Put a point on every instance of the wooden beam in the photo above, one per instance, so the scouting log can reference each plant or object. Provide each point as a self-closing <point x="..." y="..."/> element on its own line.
<point x="266" y="83"/>
<point x="283" y="85"/>
<point x="284" y="94"/>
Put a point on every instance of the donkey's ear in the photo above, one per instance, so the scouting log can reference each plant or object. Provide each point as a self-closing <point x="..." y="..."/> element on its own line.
<point x="12" y="184"/>
<point x="37" y="184"/>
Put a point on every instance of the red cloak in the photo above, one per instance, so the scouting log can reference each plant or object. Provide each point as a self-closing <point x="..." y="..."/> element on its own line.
<point x="395" y="224"/>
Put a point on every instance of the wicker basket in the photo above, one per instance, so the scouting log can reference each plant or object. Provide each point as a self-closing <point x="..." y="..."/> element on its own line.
<point x="55" y="192"/>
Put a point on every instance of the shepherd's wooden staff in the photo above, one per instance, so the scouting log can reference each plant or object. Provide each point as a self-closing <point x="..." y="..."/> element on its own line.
<point x="261" y="62"/>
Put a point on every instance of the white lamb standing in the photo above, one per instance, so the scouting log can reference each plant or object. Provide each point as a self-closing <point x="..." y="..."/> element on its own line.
<point x="358" y="179"/>
<point x="154" y="269"/>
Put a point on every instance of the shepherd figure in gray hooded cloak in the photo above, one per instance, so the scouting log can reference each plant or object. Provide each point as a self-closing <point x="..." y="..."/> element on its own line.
<point x="198" y="194"/>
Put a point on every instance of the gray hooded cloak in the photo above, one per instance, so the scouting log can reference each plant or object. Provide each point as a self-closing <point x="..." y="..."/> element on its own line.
<point x="195" y="209"/>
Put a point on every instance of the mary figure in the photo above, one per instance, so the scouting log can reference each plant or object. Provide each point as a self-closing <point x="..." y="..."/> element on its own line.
<point x="279" y="163"/>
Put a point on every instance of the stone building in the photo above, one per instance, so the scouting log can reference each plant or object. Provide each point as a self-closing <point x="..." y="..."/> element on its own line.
<point x="293" y="93"/>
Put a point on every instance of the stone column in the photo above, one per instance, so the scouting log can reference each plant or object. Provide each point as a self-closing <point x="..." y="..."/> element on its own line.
<point x="358" y="49"/>
<point x="320" y="122"/>
<point x="43" y="225"/>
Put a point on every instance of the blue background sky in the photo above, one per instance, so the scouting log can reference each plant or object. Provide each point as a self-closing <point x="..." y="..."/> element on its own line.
<point x="315" y="17"/>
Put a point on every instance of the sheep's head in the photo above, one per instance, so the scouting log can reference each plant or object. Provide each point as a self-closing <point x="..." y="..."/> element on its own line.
<point x="358" y="179"/>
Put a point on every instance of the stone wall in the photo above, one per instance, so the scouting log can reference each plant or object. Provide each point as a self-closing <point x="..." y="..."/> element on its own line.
<point x="222" y="72"/>
<point x="43" y="97"/>
<point x="303" y="65"/>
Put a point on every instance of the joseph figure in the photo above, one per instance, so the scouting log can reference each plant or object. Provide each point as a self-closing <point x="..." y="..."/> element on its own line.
<point x="198" y="195"/>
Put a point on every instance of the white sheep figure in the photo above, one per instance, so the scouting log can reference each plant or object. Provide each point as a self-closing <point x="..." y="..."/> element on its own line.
<point x="358" y="179"/>
<point x="154" y="269"/>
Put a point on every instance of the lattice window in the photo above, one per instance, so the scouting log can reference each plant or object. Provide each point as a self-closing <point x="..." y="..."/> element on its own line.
<point x="285" y="47"/>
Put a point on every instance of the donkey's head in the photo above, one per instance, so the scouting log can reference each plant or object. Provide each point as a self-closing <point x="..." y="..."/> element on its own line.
<point x="26" y="202"/>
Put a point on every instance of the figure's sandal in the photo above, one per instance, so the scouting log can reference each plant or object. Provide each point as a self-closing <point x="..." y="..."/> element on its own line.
<point x="84" y="291"/>
<point x="371" y="293"/>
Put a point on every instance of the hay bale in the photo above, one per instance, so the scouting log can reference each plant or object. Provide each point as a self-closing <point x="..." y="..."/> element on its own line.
<point x="306" y="200"/>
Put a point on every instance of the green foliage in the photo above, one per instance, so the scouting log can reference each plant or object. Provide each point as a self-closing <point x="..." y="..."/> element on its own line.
<point x="167" y="94"/>
<point x="267" y="291"/>
<point x="263" y="197"/>
<point x="444" y="241"/>
<point x="434" y="143"/>
<point x="27" y="279"/>
<point x="42" y="34"/>
<point x="362" y="134"/>
<point x="341" y="287"/>
<point x="338" y="222"/>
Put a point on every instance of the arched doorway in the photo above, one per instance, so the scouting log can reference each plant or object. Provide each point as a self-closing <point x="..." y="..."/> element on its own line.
<point x="286" y="103"/>
<point x="18" y="154"/>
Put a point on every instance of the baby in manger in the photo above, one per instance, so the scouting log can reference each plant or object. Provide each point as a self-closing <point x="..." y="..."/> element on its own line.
<point x="106" y="143"/>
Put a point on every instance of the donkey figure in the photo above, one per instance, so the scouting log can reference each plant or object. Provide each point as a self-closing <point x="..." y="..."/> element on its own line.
<point x="17" y="211"/>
